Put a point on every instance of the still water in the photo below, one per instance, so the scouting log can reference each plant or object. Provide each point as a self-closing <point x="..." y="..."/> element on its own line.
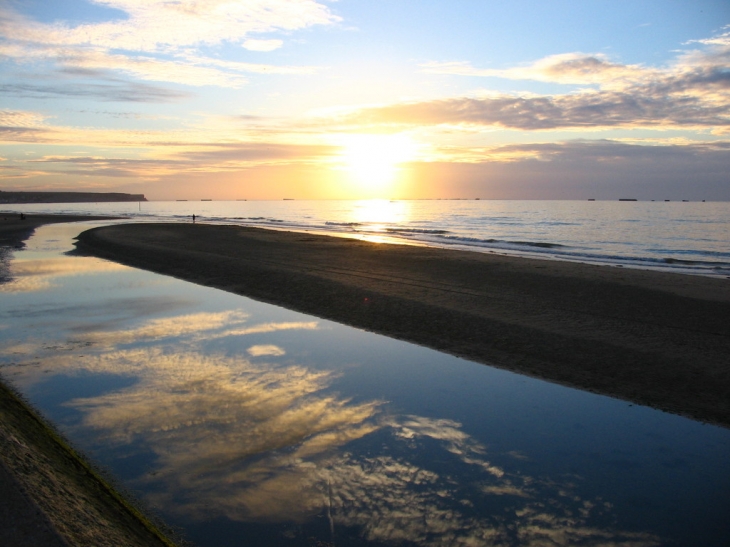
<point x="242" y="423"/>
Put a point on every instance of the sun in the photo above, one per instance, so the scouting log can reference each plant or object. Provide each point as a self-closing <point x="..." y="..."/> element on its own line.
<point x="373" y="161"/>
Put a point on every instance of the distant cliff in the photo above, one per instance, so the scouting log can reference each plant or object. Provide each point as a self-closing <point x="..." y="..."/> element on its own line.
<point x="67" y="197"/>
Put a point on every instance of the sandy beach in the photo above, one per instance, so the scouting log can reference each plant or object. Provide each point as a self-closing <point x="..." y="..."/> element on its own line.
<point x="652" y="338"/>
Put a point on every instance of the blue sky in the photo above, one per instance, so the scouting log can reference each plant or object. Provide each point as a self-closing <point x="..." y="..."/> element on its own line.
<point x="262" y="99"/>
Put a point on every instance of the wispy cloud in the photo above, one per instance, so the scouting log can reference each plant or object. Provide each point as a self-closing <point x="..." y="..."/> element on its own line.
<point x="160" y="25"/>
<point x="21" y="118"/>
<point x="579" y="150"/>
<point x="161" y="41"/>
<point x="178" y="159"/>
<point x="689" y="100"/>
<point x="569" y="68"/>
<point x="719" y="40"/>
<point x="22" y="126"/>
<point x="693" y="92"/>
<point x="262" y="45"/>
<point x="110" y="91"/>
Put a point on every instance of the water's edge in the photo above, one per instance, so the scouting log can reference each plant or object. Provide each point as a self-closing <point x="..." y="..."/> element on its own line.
<point x="35" y="452"/>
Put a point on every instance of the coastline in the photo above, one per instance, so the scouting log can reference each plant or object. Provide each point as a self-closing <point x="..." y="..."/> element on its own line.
<point x="652" y="338"/>
<point x="49" y="493"/>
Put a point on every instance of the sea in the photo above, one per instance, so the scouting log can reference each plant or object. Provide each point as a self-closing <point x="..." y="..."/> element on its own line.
<point x="683" y="237"/>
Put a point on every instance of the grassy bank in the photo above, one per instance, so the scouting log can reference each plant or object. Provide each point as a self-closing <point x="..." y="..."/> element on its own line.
<point x="81" y="505"/>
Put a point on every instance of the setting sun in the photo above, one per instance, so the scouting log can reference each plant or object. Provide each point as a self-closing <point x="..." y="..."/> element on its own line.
<point x="372" y="161"/>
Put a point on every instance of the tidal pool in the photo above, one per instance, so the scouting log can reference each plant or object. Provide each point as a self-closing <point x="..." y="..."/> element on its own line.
<point x="244" y="423"/>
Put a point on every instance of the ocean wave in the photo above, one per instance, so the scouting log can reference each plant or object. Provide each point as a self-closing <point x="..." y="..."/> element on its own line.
<point x="246" y="219"/>
<point x="415" y="231"/>
<point x="697" y="252"/>
<point x="474" y="240"/>
<point x="541" y="244"/>
<point x="668" y="263"/>
<point x="345" y="224"/>
<point x="563" y="252"/>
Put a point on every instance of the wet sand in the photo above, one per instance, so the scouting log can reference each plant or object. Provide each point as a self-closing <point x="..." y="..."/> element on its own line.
<point x="653" y="338"/>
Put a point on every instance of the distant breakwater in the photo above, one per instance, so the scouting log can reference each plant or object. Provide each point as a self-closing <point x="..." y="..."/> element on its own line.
<point x="67" y="197"/>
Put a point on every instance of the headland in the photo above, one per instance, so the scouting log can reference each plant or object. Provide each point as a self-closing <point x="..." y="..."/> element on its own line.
<point x="66" y="197"/>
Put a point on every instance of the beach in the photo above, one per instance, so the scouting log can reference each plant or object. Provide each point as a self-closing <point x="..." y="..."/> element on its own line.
<point x="49" y="494"/>
<point x="651" y="338"/>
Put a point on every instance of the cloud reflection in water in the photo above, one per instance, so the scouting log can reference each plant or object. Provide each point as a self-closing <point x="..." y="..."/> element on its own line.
<point x="253" y="439"/>
<point x="270" y="443"/>
<point x="42" y="274"/>
<point x="265" y="349"/>
<point x="220" y="425"/>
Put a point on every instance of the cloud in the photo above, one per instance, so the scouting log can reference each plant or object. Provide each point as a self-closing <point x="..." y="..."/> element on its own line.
<point x="659" y="105"/>
<point x="719" y="40"/>
<point x="22" y="126"/>
<point x="159" y="25"/>
<point x="692" y="92"/>
<point x="235" y="156"/>
<point x="20" y="119"/>
<point x="254" y="68"/>
<point x="580" y="169"/>
<point x="569" y="68"/>
<point x="90" y="160"/>
<point x="173" y="157"/>
<point x="110" y="167"/>
<point x="262" y="45"/>
<point x="157" y="40"/>
<point x="601" y="150"/>
<point x="208" y="145"/>
<point x="108" y="92"/>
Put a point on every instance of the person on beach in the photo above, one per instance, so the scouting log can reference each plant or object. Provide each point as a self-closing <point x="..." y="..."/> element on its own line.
<point x="193" y="219"/>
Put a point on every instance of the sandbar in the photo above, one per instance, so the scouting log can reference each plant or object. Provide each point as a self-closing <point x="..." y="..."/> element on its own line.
<point x="652" y="338"/>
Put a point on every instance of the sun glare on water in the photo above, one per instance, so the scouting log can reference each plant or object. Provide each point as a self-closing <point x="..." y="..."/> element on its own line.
<point x="373" y="161"/>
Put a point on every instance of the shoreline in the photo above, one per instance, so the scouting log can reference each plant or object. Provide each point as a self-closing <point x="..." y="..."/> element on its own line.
<point x="652" y="338"/>
<point x="49" y="494"/>
<point x="14" y="231"/>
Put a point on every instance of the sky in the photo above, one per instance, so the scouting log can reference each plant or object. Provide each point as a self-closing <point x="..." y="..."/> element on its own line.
<point x="355" y="99"/>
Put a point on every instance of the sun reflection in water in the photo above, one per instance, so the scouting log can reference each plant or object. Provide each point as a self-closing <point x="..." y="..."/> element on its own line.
<point x="373" y="218"/>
